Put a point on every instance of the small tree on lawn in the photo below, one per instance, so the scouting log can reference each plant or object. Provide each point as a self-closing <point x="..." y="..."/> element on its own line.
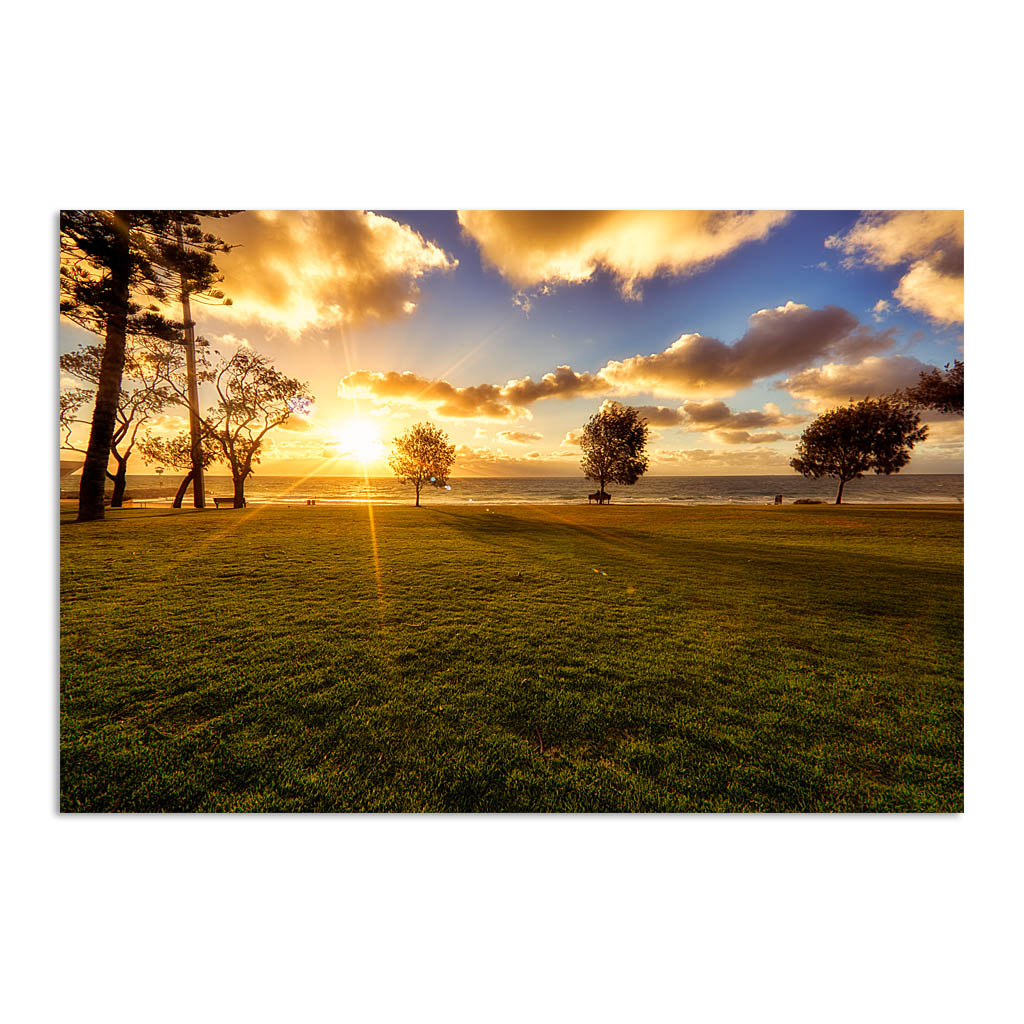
<point x="938" y="389"/>
<point x="253" y="398"/>
<point x="422" y="456"/>
<point x="614" y="444"/>
<point x="845" y="443"/>
<point x="176" y="452"/>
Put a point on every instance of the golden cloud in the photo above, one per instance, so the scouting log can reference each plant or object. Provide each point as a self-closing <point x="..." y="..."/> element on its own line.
<point x="930" y="241"/>
<point x="787" y="337"/>
<point x="323" y="268"/>
<point x="709" y="461"/>
<point x="485" y="401"/>
<point x="546" y="247"/>
<point x="716" y="415"/>
<point x="778" y="339"/>
<point x="517" y="436"/>
<point x="837" y="383"/>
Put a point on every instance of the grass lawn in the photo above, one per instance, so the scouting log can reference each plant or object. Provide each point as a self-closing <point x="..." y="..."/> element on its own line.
<point x="544" y="658"/>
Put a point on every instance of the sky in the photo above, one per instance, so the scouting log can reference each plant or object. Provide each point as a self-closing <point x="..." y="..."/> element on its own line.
<point x="730" y="330"/>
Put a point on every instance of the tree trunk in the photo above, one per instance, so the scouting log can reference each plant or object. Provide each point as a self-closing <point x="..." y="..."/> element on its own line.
<point x="94" y="472"/>
<point x="239" y="491"/>
<point x="417" y="494"/>
<point x="839" y="493"/>
<point x="181" y="490"/>
<point x="117" y="498"/>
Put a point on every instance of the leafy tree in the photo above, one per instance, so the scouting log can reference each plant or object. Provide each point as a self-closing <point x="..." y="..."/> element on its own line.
<point x="117" y="268"/>
<point x="938" y="389"/>
<point x="176" y="452"/>
<point x="614" y="444"/>
<point x="253" y="398"/>
<point x="845" y="443"/>
<point x="147" y="363"/>
<point x="422" y="456"/>
<point x="71" y="400"/>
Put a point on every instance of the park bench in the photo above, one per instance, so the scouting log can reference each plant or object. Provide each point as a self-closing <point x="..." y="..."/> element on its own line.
<point x="226" y="501"/>
<point x="601" y="497"/>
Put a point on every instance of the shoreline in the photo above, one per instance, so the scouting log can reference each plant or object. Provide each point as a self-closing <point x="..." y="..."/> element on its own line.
<point x="339" y="503"/>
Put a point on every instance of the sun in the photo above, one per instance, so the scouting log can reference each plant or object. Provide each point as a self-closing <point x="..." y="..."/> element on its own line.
<point x="358" y="439"/>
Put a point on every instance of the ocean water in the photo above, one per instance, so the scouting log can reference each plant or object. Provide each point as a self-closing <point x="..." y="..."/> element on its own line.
<point x="657" y="490"/>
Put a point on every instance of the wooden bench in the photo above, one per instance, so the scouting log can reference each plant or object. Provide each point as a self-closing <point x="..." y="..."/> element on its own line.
<point x="226" y="501"/>
<point x="601" y="497"/>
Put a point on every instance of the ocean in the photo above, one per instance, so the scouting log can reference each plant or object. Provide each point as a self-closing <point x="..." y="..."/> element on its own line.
<point x="650" y="490"/>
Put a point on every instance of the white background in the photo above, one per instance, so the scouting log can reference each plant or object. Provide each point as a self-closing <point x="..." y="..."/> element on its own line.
<point x="731" y="918"/>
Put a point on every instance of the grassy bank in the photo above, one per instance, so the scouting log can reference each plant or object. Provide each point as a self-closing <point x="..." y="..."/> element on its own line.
<point x="547" y="658"/>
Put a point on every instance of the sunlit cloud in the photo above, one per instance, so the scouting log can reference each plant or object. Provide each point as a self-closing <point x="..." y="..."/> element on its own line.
<point x="779" y="339"/>
<point x="784" y="338"/>
<point x="708" y="460"/>
<point x="716" y="415"/>
<point x="837" y="383"/>
<point x="547" y="247"/>
<point x="517" y="436"/>
<point x="929" y="242"/>
<point x="745" y="437"/>
<point x="311" y="268"/>
<point x="484" y="401"/>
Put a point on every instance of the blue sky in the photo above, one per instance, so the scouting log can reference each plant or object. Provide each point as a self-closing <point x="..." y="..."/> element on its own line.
<point x="344" y="299"/>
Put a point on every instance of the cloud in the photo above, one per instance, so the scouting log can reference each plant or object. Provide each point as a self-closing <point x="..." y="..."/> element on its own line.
<point x="485" y="401"/>
<point x="788" y="337"/>
<point x="538" y="247"/>
<point x="929" y="242"/>
<point x="745" y="437"/>
<point x="881" y="310"/>
<point x="517" y="436"/>
<point x="564" y="382"/>
<point x="323" y="268"/>
<point x="716" y="415"/>
<point x="709" y="461"/>
<point x="836" y="383"/>
<point x="783" y="338"/>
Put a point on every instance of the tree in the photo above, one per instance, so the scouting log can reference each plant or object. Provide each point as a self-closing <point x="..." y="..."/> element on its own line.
<point x="614" y="446"/>
<point x="147" y="363"/>
<point x="939" y="390"/>
<point x="845" y="443"/>
<point x="253" y="398"/>
<point x="176" y="452"/>
<point x="422" y="456"/>
<point x="115" y="267"/>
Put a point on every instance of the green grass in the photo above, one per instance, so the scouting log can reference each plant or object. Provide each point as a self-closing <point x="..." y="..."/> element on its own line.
<point x="726" y="659"/>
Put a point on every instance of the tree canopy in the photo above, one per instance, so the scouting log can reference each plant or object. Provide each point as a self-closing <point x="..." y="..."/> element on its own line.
<point x="119" y="270"/>
<point x="422" y="456"/>
<point x="614" y="444"/>
<point x="871" y="435"/>
<point x="176" y="452"/>
<point x="253" y="399"/>
<point x="942" y="390"/>
<point x="144" y="392"/>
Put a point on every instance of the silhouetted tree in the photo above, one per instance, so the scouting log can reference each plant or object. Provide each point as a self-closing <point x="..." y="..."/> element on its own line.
<point x="147" y="363"/>
<point x="176" y="452"/>
<point x="253" y="398"/>
<point x="614" y="444"/>
<point x="845" y="443"/>
<point x="938" y="389"/>
<point x="115" y="270"/>
<point x="422" y="456"/>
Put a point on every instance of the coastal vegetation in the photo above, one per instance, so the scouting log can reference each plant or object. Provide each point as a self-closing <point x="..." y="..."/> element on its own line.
<point x="871" y="435"/>
<point x="422" y="457"/>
